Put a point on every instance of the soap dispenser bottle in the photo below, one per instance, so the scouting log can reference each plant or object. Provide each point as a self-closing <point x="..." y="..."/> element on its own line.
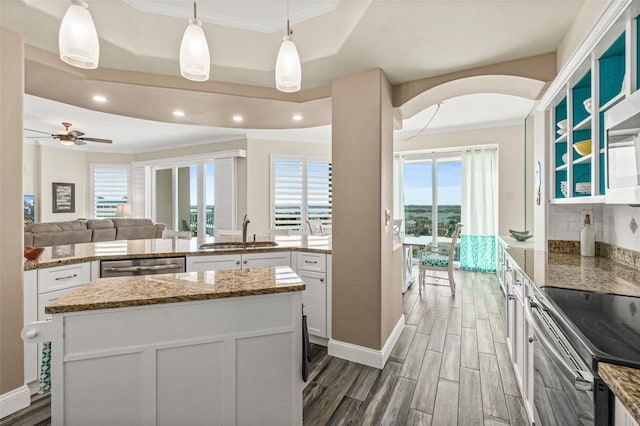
<point x="587" y="238"/>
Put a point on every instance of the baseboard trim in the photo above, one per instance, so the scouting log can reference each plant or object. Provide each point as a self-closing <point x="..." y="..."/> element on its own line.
<point x="367" y="356"/>
<point x="322" y="341"/>
<point x="14" y="400"/>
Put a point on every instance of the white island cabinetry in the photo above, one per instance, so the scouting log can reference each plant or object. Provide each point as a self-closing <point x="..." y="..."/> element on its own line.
<point x="196" y="359"/>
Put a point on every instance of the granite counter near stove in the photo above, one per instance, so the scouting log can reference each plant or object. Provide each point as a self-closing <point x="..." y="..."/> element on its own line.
<point x="576" y="272"/>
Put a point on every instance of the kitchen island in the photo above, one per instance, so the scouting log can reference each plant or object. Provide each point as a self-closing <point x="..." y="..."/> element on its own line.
<point x="221" y="347"/>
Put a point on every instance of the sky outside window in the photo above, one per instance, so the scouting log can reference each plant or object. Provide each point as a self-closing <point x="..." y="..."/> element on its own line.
<point x="418" y="183"/>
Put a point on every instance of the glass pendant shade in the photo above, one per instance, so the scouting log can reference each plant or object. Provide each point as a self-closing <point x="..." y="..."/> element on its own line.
<point x="288" y="70"/>
<point x="195" y="61"/>
<point x="78" y="40"/>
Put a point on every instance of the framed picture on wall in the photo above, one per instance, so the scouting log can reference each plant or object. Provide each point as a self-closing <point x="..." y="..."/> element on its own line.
<point x="64" y="197"/>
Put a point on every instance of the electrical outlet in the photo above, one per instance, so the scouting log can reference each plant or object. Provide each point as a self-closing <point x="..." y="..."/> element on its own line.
<point x="584" y="213"/>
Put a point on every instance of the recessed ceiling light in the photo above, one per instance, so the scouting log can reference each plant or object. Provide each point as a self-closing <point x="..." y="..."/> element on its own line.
<point x="237" y="118"/>
<point x="178" y="113"/>
<point x="99" y="98"/>
<point x="297" y="117"/>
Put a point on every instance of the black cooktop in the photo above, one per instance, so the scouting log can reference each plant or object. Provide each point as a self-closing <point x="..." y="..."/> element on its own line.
<point x="609" y="323"/>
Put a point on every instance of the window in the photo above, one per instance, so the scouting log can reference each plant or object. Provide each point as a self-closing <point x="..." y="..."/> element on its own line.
<point x="432" y="195"/>
<point x="109" y="188"/>
<point x="300" y="191"/>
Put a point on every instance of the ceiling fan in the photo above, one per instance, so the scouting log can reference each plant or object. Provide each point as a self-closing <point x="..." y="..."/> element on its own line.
<point x="69" y="137"/>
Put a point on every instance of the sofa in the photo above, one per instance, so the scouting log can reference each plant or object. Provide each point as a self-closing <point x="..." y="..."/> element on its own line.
<point x="87" y="231"/>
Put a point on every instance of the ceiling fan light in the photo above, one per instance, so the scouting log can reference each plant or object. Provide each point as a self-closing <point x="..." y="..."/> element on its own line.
<point x="77" y="39"/>
<point x="195" y="62"/>
<point x="66" y="142"/>
<point x="288" y="70"/>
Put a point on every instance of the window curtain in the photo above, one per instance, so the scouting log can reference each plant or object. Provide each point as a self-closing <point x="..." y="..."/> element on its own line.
<point x="398" y="191"/>
<point x="479" y="210"/>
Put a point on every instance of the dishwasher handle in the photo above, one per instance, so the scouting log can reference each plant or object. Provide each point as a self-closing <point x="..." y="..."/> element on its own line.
<point x="142" y="268"/>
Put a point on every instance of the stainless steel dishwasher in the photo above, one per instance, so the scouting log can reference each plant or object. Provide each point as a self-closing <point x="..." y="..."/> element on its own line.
<point x="132" y="267"/>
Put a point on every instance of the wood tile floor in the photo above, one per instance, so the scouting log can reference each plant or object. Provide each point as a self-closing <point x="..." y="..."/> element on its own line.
<point x="450" y="366"/>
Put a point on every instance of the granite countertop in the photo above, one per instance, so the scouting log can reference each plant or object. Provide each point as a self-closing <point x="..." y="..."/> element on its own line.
<point x="121" y="292"/>
<point x="624" y="382"/>
<point x="576" y="272"/>
<point x="132" y="249"/>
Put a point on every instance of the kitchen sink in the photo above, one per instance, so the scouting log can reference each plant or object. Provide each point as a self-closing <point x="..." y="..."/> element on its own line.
<point x="237" y="245"/>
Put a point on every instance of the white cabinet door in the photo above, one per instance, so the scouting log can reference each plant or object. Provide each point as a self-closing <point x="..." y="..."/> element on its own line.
<point x="219" y="262"/>
<point x="622" y="417"/>
<point x="265" y="260"/>
<point x="314" y="299"/>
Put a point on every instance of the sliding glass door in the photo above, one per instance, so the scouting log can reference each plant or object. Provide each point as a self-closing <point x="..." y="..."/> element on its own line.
<point x="432" y="195"/>
<point x="184" y="197"/>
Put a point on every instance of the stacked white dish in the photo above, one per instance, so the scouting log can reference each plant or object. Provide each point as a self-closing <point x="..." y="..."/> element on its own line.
<point x="563" y="187"/>
<point x="562" y="127"/>
<point x="587" y="105"/>
<point x="583" y="187"/>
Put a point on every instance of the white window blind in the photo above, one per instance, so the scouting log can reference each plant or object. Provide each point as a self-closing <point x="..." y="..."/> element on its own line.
<point x="110" y="187"/>
<point x="301" y="190"/>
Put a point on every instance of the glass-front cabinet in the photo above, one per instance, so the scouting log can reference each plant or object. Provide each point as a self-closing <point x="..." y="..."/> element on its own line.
<point x="605" y="77"/>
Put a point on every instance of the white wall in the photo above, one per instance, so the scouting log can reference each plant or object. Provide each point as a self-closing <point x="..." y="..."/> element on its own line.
<point x="581" y="26"/>
<point x="45" y="164"/>
<point x="611" y="223"/>
<point x="511" y="164"/>
<point x="259" y="154"/>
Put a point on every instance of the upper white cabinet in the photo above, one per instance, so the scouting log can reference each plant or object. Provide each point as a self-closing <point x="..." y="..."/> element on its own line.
<point x="577" y="102"/>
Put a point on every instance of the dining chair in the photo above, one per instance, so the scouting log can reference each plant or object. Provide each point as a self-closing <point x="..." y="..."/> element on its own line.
<point x="439" y="260"/>
<point x="315" y="227"/>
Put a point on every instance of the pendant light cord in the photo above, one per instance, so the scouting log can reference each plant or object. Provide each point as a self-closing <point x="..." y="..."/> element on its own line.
<point x="195" y="12"/>
<point x="426" y="125"/>
<point x="289" y="32"/>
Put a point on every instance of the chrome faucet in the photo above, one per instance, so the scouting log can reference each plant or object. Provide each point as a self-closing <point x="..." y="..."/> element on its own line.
<point x="245" y="225"/>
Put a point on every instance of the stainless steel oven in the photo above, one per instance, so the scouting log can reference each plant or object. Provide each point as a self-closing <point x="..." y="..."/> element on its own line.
<point x="567" y="391"/>
<point x="132" y="267"/>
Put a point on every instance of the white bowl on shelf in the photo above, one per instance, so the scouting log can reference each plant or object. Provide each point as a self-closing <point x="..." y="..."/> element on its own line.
<point x="587" y="105"/>
<point x="562" y="124"/>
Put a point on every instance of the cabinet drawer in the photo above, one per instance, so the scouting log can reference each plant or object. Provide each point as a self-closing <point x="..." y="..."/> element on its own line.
<point x="313" y="262"/>
<point x="61" y="277"/>
<point x="266" y="260"/>
<point x="213" y="263"/>
<point x="46" y="298"/>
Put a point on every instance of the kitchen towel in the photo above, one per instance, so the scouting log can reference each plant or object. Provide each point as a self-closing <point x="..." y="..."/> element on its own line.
<point x="306" y="356"/>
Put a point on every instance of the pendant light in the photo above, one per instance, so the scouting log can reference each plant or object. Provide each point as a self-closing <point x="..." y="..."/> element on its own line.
<point x="288" y="70"/>
<point x="195" y="61"/>
<point x="78" y="40"/>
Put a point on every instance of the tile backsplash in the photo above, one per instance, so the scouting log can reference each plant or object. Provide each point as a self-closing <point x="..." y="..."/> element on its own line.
<point x="613" y="224"/>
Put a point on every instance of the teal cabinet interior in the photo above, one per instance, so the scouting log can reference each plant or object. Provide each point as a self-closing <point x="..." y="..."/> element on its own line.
<point x="595" y="86"/>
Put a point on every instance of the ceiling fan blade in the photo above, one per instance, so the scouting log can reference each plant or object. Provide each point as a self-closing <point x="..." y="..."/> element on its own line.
<point x="38" y="131"/>
<point x="96" y="140"/>
<point x="36" y="137"/>
<point x="79" y="142"/>
<point x="76" y="133"/>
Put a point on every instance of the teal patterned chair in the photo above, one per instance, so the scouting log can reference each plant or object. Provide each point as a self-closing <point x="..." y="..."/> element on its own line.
<point x="440" y="261"/>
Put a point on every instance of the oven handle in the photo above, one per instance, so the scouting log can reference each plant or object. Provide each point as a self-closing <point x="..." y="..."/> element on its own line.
<point x="143" y="268"/>
<point x="579" y="381"/>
